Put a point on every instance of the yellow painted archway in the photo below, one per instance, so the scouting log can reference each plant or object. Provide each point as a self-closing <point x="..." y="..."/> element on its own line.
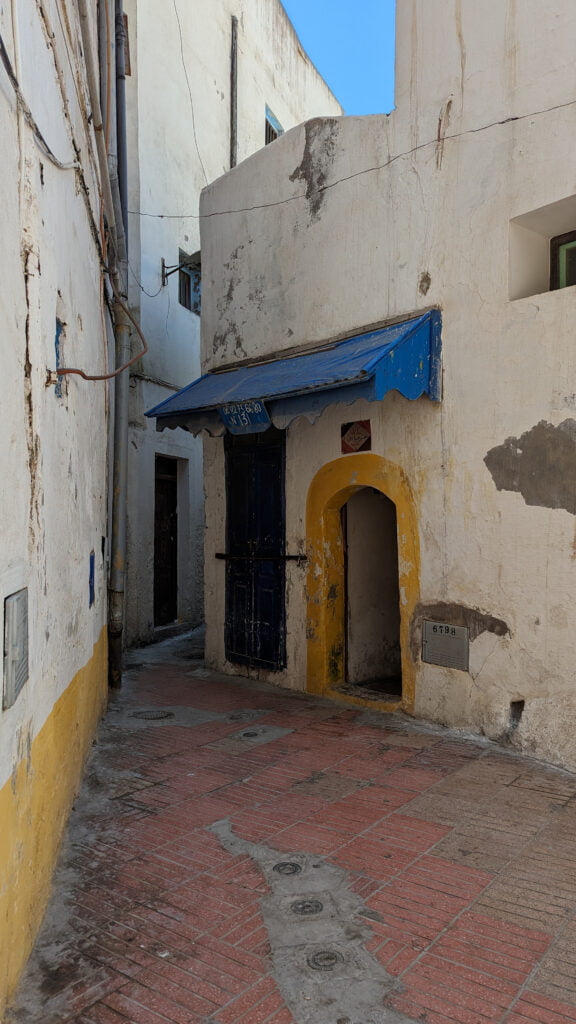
<point x="330" y="489"/>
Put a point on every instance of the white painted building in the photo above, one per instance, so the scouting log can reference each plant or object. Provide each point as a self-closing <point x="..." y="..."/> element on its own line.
<point x="207" y="83"/>
<point x="53" y="459"/>
<point x="437" y="571"/>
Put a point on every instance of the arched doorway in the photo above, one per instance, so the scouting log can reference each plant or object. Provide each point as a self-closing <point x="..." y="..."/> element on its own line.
<point x="330" y="490"/>
<point x="372" y="595"/>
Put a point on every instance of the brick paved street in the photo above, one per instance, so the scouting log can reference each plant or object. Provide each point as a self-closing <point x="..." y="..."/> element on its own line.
<point x="435" y="874"/>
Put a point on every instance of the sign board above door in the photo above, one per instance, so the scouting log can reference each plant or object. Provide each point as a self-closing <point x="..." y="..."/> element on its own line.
<point x="245" y="417"/>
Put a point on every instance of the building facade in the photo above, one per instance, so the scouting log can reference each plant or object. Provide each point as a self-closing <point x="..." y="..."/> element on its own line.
<point x="83" y="169"/>
<point x="395" y="295"/>
<point x="208" y="85"/>
<point x="54" y="457"/>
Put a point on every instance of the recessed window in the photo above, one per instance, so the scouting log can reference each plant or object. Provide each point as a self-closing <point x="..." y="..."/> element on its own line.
<point x="273" y="127"/>
<point x="190" y="281"/>
<point x="563" y="260"/>
<point x="542" y="249"/>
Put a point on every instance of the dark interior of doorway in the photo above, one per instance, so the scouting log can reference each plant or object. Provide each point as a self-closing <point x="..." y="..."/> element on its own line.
<point x="165" y="541"/>
<point x="372" y="602"/>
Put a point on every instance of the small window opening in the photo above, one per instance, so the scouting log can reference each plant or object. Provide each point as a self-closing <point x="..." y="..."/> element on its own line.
<point x="190" y="281"/>
<point x="516" y="710"/>
<point x="273" y="127"/>
<point x="563" y="260"/>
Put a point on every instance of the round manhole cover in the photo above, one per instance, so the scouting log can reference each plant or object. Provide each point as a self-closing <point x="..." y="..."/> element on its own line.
<point x="324" y="960"/>
<point x="250" y="733"/>
<point x="287" y="867"/>
<point x="152" y="716"/>
<point x="306" y="907"/>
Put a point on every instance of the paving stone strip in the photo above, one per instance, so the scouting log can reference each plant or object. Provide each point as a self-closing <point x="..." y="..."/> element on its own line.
<point x="317" y="929"/>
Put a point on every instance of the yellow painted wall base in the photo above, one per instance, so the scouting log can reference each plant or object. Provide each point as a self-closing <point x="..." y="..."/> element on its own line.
<point x="34" y="808"/>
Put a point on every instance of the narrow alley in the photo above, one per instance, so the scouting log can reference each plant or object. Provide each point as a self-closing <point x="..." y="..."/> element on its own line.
<point x="246" y="855"/>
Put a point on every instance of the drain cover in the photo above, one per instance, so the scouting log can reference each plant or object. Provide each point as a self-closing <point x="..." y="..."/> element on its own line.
<point x="250" y="733"/>
<point x="152" y="716"/>
<point x="287" y="867"/>
<point x="324" y="960"/>
<point x="306" y="907"/>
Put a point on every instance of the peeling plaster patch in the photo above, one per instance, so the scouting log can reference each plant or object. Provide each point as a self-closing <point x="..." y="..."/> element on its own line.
<point x="23" y="759"/>
<point x="231" y="330"/>
<point x="540" y="465"/>
<point x="424" y="283"/>
<point x="32" y="437"/>
<point x="443" y="122"/>
<point x="455" y="615"/>
<point x="317" y="160"/>
<point x="335" y="663"/>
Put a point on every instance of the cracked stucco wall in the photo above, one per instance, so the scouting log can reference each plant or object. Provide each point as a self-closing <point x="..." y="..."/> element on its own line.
<point x="350" y="223"/>
<point x="52" y="461"/>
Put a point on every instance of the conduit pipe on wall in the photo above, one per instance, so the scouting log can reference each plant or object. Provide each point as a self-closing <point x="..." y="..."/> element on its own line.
<point x="117" y="584"/>
<point x="94" y="93"/>
<point x="114" y="187"/>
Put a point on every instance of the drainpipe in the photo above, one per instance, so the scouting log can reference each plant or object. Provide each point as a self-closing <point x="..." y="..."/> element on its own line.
<point x="94" y="93"/>
<point x="234" y="93"/>
<point x="117" y="585"/>
<point x="113" y="173"/>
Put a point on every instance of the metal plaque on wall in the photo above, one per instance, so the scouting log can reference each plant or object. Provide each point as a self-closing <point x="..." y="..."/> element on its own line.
<point x="444" y="644"/>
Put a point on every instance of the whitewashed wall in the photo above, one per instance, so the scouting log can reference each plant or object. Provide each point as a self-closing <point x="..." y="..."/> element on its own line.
<point x="407" y="220"/>
<point x="179" y="111"/>
<point x="53" y="459"/>
<point x="53" y="456"/>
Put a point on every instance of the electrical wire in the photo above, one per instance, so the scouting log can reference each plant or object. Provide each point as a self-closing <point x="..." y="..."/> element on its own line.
<point x="355" y="174"/>
<point x="151" y="295"/>
<point x="29" y="117"/>
<point x="189" y="90"/>
<point x="61" y="372"/>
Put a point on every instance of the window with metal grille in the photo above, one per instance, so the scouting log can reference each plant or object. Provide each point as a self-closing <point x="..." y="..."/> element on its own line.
<point x="15" y="646"/>
<point x="273" y="128"/>
<point x="190" y="281"/>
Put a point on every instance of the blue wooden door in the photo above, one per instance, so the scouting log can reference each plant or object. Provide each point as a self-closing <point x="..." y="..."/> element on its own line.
<point x="255" y="567"/>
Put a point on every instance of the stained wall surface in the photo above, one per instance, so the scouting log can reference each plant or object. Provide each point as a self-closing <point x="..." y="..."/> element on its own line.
<point x="54" y="454"/>
<point x="179" y="103"/>
<point x="352" y="222"/>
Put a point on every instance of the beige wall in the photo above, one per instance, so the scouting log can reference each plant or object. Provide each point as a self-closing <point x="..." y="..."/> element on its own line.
<point x="403" y="221"/>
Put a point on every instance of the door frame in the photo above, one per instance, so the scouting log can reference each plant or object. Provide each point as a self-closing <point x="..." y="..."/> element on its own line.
<point x="329" y="490"/>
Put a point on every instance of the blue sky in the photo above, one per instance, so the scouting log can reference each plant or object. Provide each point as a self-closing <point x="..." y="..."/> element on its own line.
<point x="352" y="44"/>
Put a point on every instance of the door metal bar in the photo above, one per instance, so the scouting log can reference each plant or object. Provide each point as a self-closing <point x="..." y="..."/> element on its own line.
<point x="262" y="558"/>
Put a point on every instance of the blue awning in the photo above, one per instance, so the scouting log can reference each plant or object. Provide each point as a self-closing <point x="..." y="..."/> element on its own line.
<point x="404" y="357"/>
